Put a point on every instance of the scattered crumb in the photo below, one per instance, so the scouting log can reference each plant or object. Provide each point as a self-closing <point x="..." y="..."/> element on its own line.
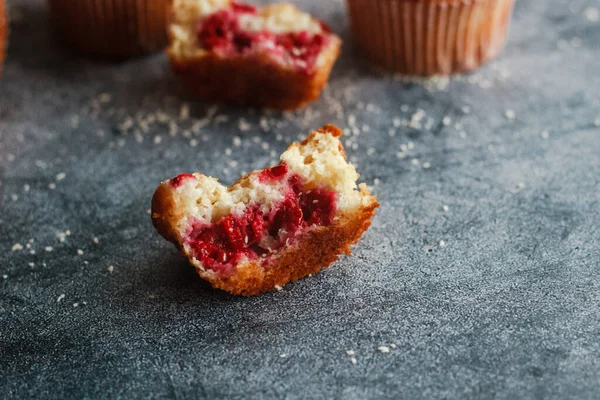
<point x="283" y="355"/>
<point x="376" y="181"/>
<point x="60" y="298"/>
<point x="383" y="349"/>
<point x="48" y="249"/>
<point x="75" y="304"/>
<point x="414" y="161"/>
<point x="446" y="121"/>
<point x="353" y="361"/>
<point x="510" y="114"/>
<point x="442" y="243"/>
<point x="520" y="185"/>
<point x="31" y="264"/>
<point x="157" y="139"/>
<point x="393" y="345"/>
<point x="111" y="268"/>
<point x="426" y="164"/>
<point x="14" y="197"/>
<point x="79" y="252"/>
<point x="61" y="176"/>
<point x="95" y="240"/>
<point x="597" y="122"/>
<point x="278" y="287"/>
<point x="17" y="247"/>
<point x="243" y="125"/>
<point x="237" y="141"/>
<point x="4" y="276"/>
<point x="350" y="352"/>
<point x="592" y="14"/>
<point x="466" y="109"/>
<point x="545" y="134"/>
<point x="52" y="186"/>
<point x="26" y="187"/>
<point x="445" y="208"/>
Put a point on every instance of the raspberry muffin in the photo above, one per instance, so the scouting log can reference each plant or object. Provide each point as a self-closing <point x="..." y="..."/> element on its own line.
<point x="430" y="37"/>
<point x="272" y="226"/>
<point x="274" y="57"/>
<point x="112" y="29"/>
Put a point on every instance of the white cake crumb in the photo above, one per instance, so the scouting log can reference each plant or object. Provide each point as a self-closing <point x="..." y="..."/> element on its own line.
<point x="426" y="164"/>
<point x="592" y="14"/>
<point x="283" y="355"/>
<point x="79" y="252"/>
<point x="445" y="208"/>
<point x="48" y="249"/>
<point x="60" y="176"/>
<point x="510" y="114"/>
<point x="546" y="134"/>
<point x="95" y="240"/>
<point x="17" y="247"/>
<point x="383" y="349"/>
<point x="52" y="186"/>
<point x="279" y="288"/>
<point x="442" y="243"/>
<point x="393" y="345"/>
<point x="111" y="268"/>
<point x="60" y="298"/>
<point x="350" y="352"/>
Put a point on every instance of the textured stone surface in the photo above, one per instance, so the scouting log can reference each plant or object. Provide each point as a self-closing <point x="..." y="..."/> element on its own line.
<point x="508" y="308"/>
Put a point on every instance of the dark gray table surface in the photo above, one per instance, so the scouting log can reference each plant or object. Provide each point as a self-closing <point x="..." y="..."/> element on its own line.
<point x="508" y="308"/>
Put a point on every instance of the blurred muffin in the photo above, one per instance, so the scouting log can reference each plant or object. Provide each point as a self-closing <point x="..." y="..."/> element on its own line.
<point x="3" y="32"/>
<point x="430" y="37"/>
<point x="112" y="28"/>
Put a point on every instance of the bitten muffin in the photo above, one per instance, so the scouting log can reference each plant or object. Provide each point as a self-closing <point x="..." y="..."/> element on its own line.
<point x="430" y="37"/>
<point x="274" y="57"/>
<point x="114" y="29"/>
<point x="272" y="226"/>
<point x="3" y="33"/>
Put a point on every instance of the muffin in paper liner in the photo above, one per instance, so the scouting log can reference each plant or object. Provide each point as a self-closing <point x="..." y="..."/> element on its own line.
<point x="430" y="37"/>
<point x="3" y="33"/>
<point x="112" y="28"/>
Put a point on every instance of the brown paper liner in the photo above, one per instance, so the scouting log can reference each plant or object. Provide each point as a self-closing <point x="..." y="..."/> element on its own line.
<point x="3" y="33"/>
<point x="112" y="28"/>
<point x="430" y="37"/>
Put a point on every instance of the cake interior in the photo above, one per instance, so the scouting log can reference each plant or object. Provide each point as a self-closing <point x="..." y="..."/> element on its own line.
<point x="257" y="234"/>
<point x="242" y="30"/>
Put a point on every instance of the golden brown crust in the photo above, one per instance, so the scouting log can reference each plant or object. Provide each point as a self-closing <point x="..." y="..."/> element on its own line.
<point x="430" y="37"/>
<point x="316" y="250"/>
<point x="255" y="80"/>
<point x="113" y="29"/>
<point x="164" y="213"/>
<point x="3" y="33"/>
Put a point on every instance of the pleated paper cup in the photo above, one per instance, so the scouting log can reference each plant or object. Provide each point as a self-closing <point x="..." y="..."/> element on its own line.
<point x="112" y="28"/>
<point x="430" y="37"/>
<point x="3" y="33"/>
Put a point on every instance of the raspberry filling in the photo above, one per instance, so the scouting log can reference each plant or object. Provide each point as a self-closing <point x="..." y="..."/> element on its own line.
<point x="221" y="32"/>
<point x="178" y="180"/>
<point x="254" y="234"/>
